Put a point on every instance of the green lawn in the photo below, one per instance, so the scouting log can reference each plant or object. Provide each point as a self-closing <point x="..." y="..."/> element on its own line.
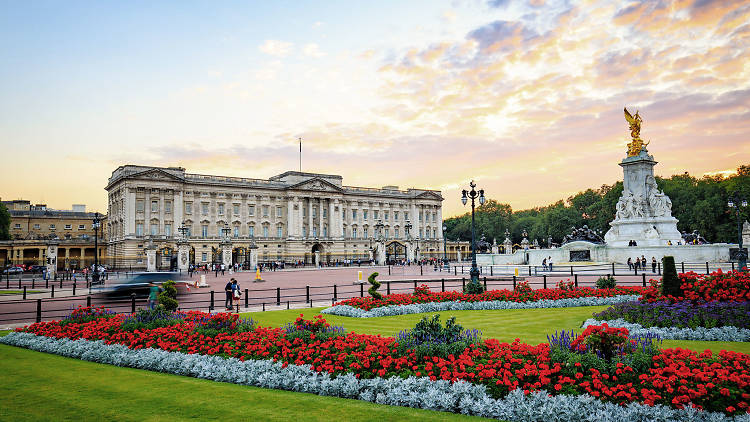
<point x="18" y="292"/>
<point x="529" y="325"/>
<point x="43" y="387"/>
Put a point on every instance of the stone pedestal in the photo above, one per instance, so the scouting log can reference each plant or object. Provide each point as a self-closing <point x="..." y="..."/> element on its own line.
<point x="226" y="253"/>
<point x="508" y="246"/>
<point x="151" y="258"/>
<point x="380" y="253"/>
<point x="183" y="256"/>
<point x="409" y="251"/>
<point x="253" y="251"/>
<point x="644" y="214"/>
<point x="494" y="246"/>
<point x="51" y="260"/>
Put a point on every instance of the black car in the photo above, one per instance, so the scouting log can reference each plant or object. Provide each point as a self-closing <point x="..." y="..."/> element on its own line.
<point x="138" y="283"/>
<point x="34" y="269"/>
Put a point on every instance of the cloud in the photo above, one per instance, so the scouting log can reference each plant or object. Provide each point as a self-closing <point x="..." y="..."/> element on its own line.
<point x="276" y="48"/>
<point x="312" y="50"/>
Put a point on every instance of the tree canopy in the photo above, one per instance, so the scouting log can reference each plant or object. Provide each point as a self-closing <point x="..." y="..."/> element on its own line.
<point x="698" y="203"/>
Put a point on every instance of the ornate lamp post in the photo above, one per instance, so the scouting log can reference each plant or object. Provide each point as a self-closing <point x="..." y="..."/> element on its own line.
<point x="407" y="232"/>
<point x="736" y="201"/>
<point x="225" y="231"/>
<point x="183" y="230"/>
<point x="96" y="225"/>
<point x="465" y="195"/>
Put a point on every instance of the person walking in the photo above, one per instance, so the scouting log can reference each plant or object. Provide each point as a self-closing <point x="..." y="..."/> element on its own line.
<point x="223" y="267"/>
<point x="630" y="264"/>
<point x="549" y="263"/>
<point x="236" y="295"/>
<point x="643" y="262"/>
<point x="653" y="264"/>
<point x="228" y="291"/>
<point x="544" y="264"/>
<point x="153" y="295"/>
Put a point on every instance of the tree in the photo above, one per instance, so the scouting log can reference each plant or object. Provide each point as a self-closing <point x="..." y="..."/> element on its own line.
<point x="4" y="223"/>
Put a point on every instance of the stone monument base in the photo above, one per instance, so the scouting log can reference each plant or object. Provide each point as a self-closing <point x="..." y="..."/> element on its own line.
<point x="651" y="231"/>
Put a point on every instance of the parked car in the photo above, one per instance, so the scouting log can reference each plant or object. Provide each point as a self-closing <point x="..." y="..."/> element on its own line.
<point x="138" y="283"/>
<point x="13" y="270"/>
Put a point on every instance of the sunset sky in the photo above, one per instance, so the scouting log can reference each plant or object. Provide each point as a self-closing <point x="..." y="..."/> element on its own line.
<point x="526" y="98"/>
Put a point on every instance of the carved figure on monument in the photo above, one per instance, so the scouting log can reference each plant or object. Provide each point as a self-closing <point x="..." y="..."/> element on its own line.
<point x="624" y="206"/>
<point x="585" y="234"/>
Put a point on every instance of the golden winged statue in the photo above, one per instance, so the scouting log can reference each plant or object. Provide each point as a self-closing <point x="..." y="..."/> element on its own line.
<point x="635" y="147"/>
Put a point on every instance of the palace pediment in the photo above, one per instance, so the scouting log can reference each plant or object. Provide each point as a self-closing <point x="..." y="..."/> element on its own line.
<point x="430" y="195"/>
<point x="316" y="184"/>
<point x="156" y="174"/>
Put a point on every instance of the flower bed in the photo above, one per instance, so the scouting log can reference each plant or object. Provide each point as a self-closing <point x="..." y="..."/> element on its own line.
<point x="725" y="333"/>
<point x="675" y="378"/>
<point x="732" y="286"/>
<point x="424" y="295"/>
<point x="680" y="314"/>
<point x="417" y="392"/>
<point x="418" y="308"/>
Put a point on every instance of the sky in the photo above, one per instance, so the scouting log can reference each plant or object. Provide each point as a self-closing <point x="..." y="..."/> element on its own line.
<point x="524" y="97"/>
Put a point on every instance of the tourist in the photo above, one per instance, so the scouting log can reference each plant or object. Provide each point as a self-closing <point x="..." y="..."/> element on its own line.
<point x="223" y="267"/>
<point x="228" y="292"/>
<point x="643" y="262"/>
<point x="544" y="264"/>
<point x="549" y="263"/>
<point x="153" y="292"/>
<point x="630" y="264"/>
<point x="653" y="264"/>
<point x="637" y="263"/>
<point x="236" y="295"/>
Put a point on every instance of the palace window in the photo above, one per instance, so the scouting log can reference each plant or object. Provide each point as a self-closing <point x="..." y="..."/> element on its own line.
<point x="325" y="231"/>
<point x="81" y="227"/>
<point x="236" y="209"/>
<point x="52" y="227"/>
<point x="420" y="233"/>
<point x="221" y="209"/>
<point x="315" y="212"/>
<point x="354" y="214"/>
<point x="236" y="231"/>
<point x="375" y="214"/>
<point x="204" y="231"/>
<point x="17" y="226"/>
<point x="251" y="210"/>
<point x="279" y="232"/>
<point x="406" y="215"/>
<point x="204" y="208"/>
<point x="395" y="216"/>
<point x="36" y="226"/>
<point x="364" y="232"/>
<point x="67" y="226"/>
<point x="420" y="216"/>
<point x="139" y="229"/>
<point x="279" y="212"/>
<point x="434" y="233"/>
<point x="189" y="232"/>
<point x="154" y="229"/>
<point x="188" y="208"/>
<point x="265" y="212"/>
<point x="251" y="231"/>
<point x="304" y="231"/>
<point x="204" y="256"/>
<point x="433" y="217"/>
<point x="168" y="229"/>
<point x="154" y="206"/>
<point x="395" y="232"/>
<point x="167" y="206"/>
<point x="364" y="214"/>
<point x="385" y="215"/>
<point x="315" y="232"/>
<point x="354" y="232"/>
<point x="139" y="205"/>
<point x="265" y="231"/>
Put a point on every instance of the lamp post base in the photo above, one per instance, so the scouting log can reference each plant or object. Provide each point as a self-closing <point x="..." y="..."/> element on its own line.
<point x="474" y="274"/>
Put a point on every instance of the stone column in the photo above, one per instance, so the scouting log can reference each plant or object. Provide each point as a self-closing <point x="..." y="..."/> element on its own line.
<point x="290" y="226"/>
<point x="320" y="218"/>
<point x="409" y="251"/>
<point x="309" y="217"/>
<point x="40" y="256"/>
<point x="82" y="263"/>
<point x="52" y="259"/>
<point x="253" y="250"/>
<point x="330" y="218"/>
<point x="380" y="256"/>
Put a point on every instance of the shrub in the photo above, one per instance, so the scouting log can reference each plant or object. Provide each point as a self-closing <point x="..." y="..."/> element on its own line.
<point x="312" y="329"/>
<point x="474" y="287"/>
<point x="430" y="338"/>
<point x="606" y="282"/>
<point x="373" y="291"/>
<point x="670" y="282"/>
<point x="168" y="296"/>
<point x="149" y="319"/>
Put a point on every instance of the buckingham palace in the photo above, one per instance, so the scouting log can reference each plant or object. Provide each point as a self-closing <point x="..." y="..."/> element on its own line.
<point x="154" y="212"/>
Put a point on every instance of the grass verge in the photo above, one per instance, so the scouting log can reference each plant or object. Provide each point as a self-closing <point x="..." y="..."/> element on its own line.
<point x="43" y="387"/>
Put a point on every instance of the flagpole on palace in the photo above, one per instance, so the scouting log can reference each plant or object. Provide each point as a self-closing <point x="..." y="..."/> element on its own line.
<point x="300" y="155"/>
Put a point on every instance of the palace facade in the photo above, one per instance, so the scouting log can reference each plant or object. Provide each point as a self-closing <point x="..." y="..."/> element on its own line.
<point x="292" y="217"/>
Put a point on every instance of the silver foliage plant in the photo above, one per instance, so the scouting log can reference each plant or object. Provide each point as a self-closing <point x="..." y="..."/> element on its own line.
<point x="416" y="392"/>
<point x="725" y="333"/>
<point x="418" y="308"/>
